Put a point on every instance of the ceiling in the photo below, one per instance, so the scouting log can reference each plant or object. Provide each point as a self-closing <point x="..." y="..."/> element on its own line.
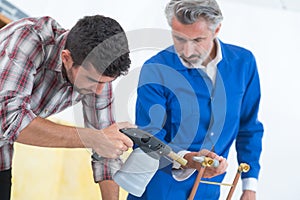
<point x="291" y="5"/>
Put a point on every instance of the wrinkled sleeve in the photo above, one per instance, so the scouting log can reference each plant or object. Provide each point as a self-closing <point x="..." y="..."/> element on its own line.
<point x="249" y="139"/>
<point x="151" y="101"/>
<point x="17" y="71"/>
<point x="98" y="112"/>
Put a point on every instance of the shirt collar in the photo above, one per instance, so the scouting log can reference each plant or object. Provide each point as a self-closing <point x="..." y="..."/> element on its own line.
<point x="57" y="66"/>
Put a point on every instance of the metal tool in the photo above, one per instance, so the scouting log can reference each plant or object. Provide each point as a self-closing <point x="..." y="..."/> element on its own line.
<point x="152" y="145"/>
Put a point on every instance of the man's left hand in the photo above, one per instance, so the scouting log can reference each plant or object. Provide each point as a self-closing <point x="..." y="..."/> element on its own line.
<point x="209" y="171"/>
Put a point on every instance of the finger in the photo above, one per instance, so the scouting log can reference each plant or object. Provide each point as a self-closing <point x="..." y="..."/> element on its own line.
<point x="124" y="148"/>
<point x="205" y="152"/>
<point x="219" y="170"/>
<point x="213" y="155"/>
<point x="223" y="164"/>
<point x="126" y="140"/>
<point x="119" y="152"/>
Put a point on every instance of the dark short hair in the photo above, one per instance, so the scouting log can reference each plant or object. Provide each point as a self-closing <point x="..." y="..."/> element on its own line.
<point x="100" y="41"/>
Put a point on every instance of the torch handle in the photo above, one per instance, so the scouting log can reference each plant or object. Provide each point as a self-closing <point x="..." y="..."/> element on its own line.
<point x="177" y="158"/>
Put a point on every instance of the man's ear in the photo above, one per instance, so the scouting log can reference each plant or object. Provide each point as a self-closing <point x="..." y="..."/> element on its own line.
<point x="67" y="58"/>
<point x="217" y="30"/>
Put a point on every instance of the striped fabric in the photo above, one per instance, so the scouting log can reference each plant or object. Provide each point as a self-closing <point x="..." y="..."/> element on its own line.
<point x="33" y="83"/>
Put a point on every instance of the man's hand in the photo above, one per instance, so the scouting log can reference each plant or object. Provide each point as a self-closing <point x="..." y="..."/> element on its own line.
<point x="209" y="171"/>
<point x="248" y="195"/>
<point x="108" y="142"/>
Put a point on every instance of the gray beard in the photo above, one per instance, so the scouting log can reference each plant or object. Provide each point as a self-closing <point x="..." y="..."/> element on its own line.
<point x="192" y="65"/>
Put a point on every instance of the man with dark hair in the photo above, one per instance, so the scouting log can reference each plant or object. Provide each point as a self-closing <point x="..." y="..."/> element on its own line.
<point x="45" y="69"/>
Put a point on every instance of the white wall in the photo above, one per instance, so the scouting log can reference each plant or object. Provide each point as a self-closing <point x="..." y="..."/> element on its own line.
<point x="272" y="35"/>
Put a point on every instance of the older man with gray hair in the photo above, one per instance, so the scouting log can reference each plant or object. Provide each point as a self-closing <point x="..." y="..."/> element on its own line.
<point x="200" y="93"/>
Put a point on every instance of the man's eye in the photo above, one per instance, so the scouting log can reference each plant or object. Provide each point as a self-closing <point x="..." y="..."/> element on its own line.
<point x="179" y="39"/>
<point x="198" y="40"/>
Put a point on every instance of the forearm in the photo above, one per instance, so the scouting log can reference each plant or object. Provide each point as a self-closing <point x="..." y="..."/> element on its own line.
<point x="42" y="132"/>
<point x="109" y="190"/>
<point x="107" y="142"/>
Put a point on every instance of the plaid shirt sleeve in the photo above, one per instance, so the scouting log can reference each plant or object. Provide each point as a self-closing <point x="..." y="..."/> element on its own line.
<point x="19" y="53"/>
<point x="98" y="113"/>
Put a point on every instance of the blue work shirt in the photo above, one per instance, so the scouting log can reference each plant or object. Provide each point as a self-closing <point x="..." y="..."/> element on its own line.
<point x="182" y="107"/>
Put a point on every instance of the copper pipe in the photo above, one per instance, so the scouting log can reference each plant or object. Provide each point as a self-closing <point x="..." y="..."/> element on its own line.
<point x="242" y="168"/>
<point x="196" y="183"/>
<point x="205" y="162"/>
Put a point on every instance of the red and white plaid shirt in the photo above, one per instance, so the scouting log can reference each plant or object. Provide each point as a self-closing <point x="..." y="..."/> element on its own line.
<point x="33" y="84"/>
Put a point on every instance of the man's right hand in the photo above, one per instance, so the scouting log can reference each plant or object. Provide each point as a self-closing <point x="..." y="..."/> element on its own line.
<point x="109" y="142"/>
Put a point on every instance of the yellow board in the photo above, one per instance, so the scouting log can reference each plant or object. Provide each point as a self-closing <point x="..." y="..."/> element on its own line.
<point x="58" y="174"/>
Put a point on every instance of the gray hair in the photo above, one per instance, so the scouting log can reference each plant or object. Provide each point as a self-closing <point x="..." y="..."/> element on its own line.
<point x="190" y="11"/>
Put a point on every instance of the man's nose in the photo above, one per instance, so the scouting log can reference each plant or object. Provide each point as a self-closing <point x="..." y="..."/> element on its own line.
<point x="188" y="49"/>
